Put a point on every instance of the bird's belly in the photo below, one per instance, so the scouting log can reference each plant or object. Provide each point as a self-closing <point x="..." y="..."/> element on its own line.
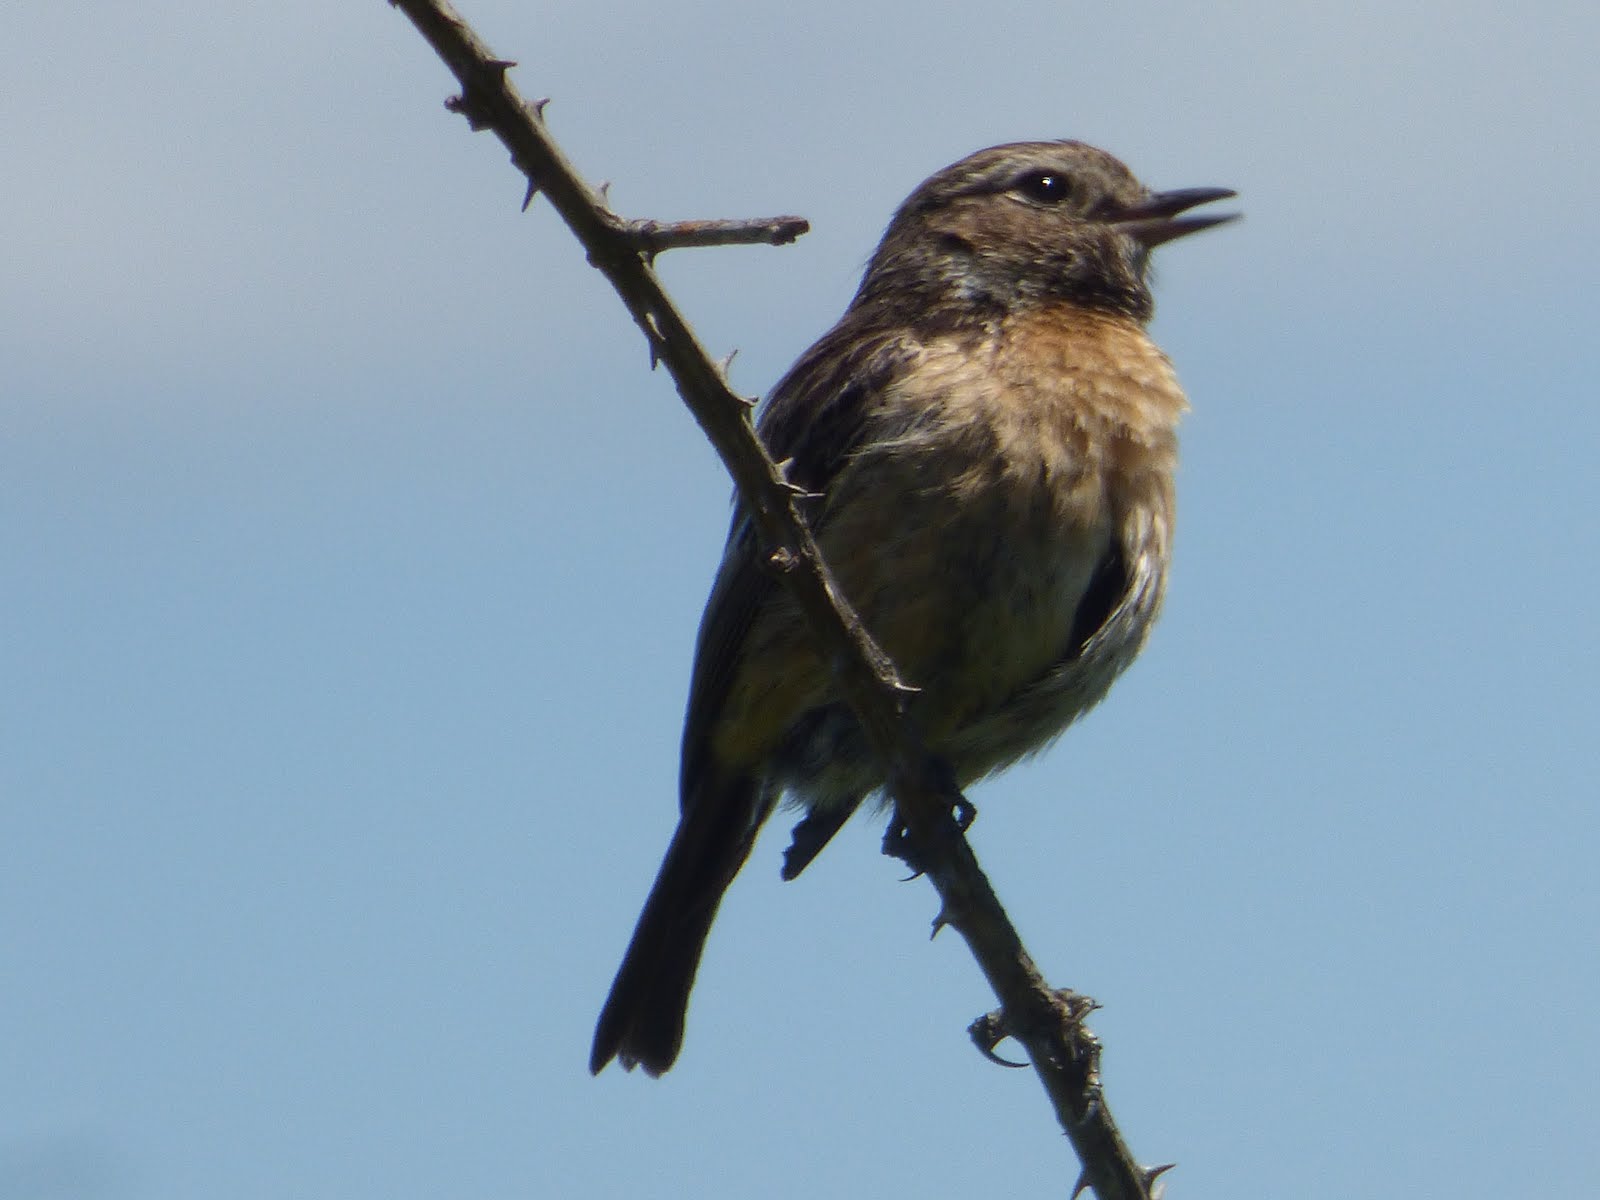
<point x="999" y="618"/>
<point x="973" y="592"/>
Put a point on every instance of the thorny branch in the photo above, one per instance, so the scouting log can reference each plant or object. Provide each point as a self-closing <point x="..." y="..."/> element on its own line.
<point x="1048" y="1024"/>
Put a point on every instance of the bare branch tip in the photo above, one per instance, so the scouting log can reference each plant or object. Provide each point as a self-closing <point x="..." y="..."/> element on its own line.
<point x="786" y="230"/>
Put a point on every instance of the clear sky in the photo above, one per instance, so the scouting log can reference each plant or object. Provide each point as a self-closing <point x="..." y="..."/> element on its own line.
<point x="350" y="561"/>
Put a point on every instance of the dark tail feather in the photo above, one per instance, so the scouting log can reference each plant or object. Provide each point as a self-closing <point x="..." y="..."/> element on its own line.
<point x="814" y="832"/>
<point x="642" y="1021"/>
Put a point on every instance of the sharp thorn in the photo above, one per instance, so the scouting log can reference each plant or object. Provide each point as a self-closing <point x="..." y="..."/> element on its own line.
<point x="652" y="334"/>
<point x="527" y="199"/>
<point x="1151" y="1175"/>
<point x="537" y="107"/>
<point x="794" y="489"/>
<point x="1081" y="1186"/>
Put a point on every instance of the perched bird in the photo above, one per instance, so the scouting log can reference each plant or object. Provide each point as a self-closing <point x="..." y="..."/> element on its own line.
<point x="992" y="439"/>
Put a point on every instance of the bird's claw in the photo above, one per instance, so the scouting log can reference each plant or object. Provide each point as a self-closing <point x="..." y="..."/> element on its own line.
<point x="897" y="841"/>
<point x="987" y="1032"/>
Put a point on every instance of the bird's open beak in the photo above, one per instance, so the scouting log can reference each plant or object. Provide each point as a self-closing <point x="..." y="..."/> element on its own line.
<point x="1155" y="219"/>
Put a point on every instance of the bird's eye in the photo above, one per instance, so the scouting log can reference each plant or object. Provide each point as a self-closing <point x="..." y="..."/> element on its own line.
<point x="1044" y="187"/>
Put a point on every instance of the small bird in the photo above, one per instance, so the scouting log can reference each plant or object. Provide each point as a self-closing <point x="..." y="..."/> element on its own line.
<point x="991" y="438"/>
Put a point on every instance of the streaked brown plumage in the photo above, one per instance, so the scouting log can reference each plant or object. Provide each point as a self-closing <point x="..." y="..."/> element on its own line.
<point x="994" y="437"/>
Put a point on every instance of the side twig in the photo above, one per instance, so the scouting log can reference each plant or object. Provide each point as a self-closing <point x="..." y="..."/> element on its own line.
<point x="652" y="237"/>
<point x="1048" y="1024"/>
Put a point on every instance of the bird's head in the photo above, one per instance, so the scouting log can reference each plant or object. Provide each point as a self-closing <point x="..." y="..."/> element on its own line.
<point x="1029" y="223"/>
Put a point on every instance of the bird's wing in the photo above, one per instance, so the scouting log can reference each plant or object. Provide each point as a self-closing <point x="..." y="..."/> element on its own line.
<point x="813" y="420"/>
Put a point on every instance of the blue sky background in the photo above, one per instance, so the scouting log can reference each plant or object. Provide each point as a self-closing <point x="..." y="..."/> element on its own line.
<point x="350" y="561"/>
